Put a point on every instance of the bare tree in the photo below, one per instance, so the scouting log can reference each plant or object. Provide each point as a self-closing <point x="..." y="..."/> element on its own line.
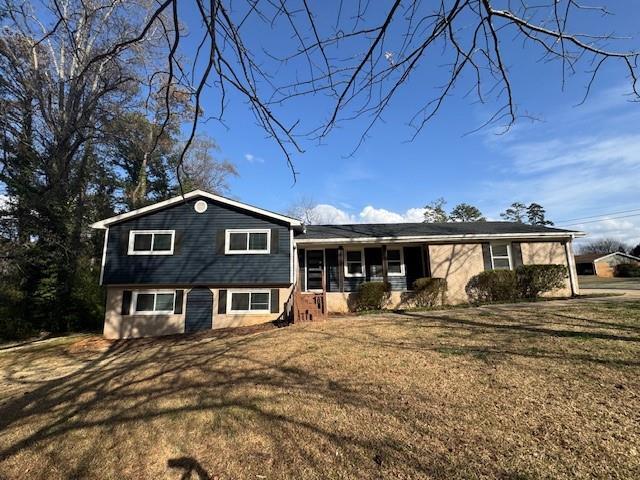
<point x="360" y="59"/>
<point x="604" y="246"/>
<point x="363" y="58"/>
<point x="304" y="209"/>
<point x="60" y="84"/>
<point x="203" y="170"/>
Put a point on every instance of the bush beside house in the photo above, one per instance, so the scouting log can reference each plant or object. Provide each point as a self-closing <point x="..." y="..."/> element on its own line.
<point x="525" y="282"/>
<point x="372" y="295"/>
<point x="627" y="270"/>
<point x="429" y="292"/>
<point x="534" y="280"/>
<point x="493" y="286"/>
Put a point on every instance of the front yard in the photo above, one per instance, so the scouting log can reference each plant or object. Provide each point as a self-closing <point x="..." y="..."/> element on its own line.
<point x="543" y="390"/>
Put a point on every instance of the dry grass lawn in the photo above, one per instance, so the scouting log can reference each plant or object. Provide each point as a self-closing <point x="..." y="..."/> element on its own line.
<point x="535" y="391"/>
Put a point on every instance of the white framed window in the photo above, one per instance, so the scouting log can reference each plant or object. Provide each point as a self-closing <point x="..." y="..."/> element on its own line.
<point x="248" y="301"/>
<point x="501" y="256"/>
<point x="395" y="262"/>
<point x="151" y="242"/>
<point x="353" y="263"/>
<point x="153" y="302"/>
<point x="253" y="241"/>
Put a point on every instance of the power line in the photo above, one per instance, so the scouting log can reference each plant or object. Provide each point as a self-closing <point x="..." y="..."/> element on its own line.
<point x="601" y="220"/>
<point x="601" y="215"/>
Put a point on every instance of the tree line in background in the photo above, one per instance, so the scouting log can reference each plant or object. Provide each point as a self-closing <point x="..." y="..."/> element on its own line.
<point x="533" y="214"/>
<point x="603" y="246"/>
<point x="82" y="136"/>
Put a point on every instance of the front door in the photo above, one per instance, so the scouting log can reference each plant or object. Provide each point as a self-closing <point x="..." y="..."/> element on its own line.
<point x="199" y="312"/>
<point x="315" y="269"/>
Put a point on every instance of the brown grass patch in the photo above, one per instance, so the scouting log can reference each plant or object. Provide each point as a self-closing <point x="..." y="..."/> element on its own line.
<point x="533" y="391"/>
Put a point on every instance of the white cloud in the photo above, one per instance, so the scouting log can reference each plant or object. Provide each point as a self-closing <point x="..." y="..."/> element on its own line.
<point x="251" y="158"/>
<point x="329" y="214"/>
<point x="623" y="229"/>
<point x="371" y="214"/>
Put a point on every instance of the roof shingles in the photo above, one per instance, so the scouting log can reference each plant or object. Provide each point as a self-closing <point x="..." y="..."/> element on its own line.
<point x="398" y="230"/>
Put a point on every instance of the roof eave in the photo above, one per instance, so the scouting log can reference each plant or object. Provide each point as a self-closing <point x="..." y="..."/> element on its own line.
<point x="103" y="224"/>
<point x="435" y="238"/>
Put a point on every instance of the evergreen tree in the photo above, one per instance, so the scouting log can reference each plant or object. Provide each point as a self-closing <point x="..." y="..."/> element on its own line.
<point x="463" y="212"/>
<point x="536" y="215"/>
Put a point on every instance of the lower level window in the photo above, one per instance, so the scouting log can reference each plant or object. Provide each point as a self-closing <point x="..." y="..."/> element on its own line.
<point x="154" y="302"/>
<point x="250" y="302"/>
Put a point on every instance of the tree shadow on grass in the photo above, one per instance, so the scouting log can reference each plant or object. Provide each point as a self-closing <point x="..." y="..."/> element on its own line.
<point x="135" y="384"/>
<point x="190" y="467"/>
<point x="159" y="379"/>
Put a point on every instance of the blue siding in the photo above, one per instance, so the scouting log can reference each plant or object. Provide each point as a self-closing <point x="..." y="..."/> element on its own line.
<point x="195" y="260"/>
<point x="199" y="310"/>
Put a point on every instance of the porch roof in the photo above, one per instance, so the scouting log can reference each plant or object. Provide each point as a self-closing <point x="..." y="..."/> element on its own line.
<point x="426" y="231"/>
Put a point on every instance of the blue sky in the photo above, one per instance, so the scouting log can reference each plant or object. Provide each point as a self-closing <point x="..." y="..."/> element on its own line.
<point x="577" y="161"/>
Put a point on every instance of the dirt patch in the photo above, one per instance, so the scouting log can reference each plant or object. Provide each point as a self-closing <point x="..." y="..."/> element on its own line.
<point x="90" y="345"/>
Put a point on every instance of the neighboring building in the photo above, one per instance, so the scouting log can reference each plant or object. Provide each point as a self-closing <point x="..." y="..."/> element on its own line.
<point x="203" y="261"/>
<point x="603" y="265"/>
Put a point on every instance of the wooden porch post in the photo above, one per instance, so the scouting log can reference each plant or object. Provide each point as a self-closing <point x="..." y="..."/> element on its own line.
<point x="385" y="267"/>
<point x="426" y="261"/>
<point x="341" y="269"/>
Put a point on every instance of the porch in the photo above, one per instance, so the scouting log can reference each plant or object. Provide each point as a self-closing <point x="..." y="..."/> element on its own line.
<point x="343" y="268"/>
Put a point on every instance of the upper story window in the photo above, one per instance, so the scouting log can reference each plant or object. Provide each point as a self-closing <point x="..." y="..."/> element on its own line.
<point x="248" y="241"/>
<point x="151" y="242"/>
<point x="157" y="302"/>
<point x="501" y="256"/>
<point x="395" y="262"/>
<point x="354" y="263"/>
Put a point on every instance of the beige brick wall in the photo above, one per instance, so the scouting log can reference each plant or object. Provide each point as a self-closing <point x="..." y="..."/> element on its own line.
<point x="604" y="270"/>
<point x="224" y="321"/>
<point x="133" y="326"/>
<point x="456" y="263"/>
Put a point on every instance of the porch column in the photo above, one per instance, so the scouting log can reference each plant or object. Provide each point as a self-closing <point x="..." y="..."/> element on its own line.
<point x="571" y="265"/>
<point x="341" y="268"/>
<point x="426" y="261"/>
<point x="385" y="267"/>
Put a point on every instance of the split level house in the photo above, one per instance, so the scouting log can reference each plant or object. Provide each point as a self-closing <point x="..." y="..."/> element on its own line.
<point x="203" y="261"/>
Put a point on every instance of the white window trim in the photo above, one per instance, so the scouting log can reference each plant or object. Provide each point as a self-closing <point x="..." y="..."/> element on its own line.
<point x="509" y="257"/>
<point x="133" y="233"/>
<point x="402" y="272"/>
<point x="134" y="302"/>
<point x="248" y="312"/>
<point x="346" y="263"/>
<point x="248" y="231"/>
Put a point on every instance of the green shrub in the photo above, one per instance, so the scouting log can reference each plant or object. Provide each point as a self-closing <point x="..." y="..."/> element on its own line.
<point x="12" y="328"/>
<point x="372" y="295"/>
<point x="492" y="286"/>
<point x="429" y="291"/>
<point x="627" y="270"/>
<point x="533" y="280"/>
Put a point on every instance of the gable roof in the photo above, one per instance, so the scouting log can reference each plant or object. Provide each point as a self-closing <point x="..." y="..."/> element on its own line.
<point x="417" y="231"/>
<point x="594" y="257"/>
<point x="102" y="224"/>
